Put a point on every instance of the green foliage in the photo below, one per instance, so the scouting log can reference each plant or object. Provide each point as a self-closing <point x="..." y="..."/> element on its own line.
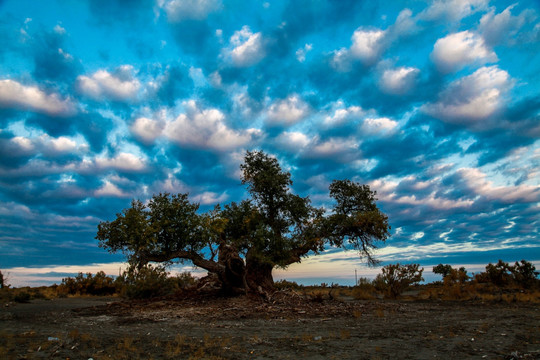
<point x="396" y="278"/>
<point x="356" y="220"/>
<point x="456" y="276"/>
<point x="443" y="270"/>
<point x="146" y="282"/>
<point x="521" y="274"/>
<point x="450" y="275"/>
<point x="100" y="284"/>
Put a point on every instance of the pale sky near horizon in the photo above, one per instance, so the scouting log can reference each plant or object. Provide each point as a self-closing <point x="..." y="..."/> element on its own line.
<point x="434" y="104"/>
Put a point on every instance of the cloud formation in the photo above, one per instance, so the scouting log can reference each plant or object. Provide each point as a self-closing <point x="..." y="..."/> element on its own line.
<point x="16" y="95"/>
<point x="456" y="50"/>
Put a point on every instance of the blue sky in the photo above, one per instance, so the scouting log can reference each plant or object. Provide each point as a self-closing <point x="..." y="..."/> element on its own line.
<point x="434" y="104"/>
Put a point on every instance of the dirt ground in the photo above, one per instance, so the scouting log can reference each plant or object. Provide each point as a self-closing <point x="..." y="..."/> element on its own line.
<point x="282" y="327"/>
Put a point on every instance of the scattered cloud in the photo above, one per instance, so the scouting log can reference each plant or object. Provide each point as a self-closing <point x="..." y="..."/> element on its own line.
<point x="178" y="10"/>
<point x="503" y="27"/>
<point x="207" y="129"/>
<point x="452" y="10"/>
<point x="379" y="126"/>
<point x="123" y="161"/>
<point x="367" y="45"/>
<point x="119" y="85"/>
<point x="16" y="95"/>
<point x="456" y="50"/>
<point x="472" y="98"/>
<point x="245" y="48"/>
<point x="147" y="130"/>
<point x="399" y="80"/>
<point x="288" y="111"/>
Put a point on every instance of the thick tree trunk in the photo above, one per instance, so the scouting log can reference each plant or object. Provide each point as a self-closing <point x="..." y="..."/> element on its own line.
<point x="258" y="274"/>
<point x="233" y="277"/>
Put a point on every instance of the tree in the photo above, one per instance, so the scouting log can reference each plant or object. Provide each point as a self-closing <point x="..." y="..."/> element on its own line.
<point x="241" y="243"/>
<point x="2" y="281"/>
<point x="443" y="270"/>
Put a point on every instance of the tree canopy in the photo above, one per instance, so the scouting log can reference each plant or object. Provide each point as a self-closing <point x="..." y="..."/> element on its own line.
<point x="242" y="242"/>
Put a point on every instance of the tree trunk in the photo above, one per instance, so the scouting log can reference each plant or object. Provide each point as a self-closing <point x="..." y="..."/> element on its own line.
<point x="233" y="277"/>
<point x="258" y="273"/>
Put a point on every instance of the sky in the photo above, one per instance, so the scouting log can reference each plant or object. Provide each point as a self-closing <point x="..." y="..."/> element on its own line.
<point x="434" y="104"/>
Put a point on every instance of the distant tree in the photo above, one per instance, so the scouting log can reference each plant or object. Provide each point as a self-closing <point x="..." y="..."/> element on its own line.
<point x="242" y="242"/>
<point x="451" y="275"/>
<point x="3" y="281"/>
<point x="502" y="274"/>
<point x="396" y="278"/>
<point x="443" y="270"/>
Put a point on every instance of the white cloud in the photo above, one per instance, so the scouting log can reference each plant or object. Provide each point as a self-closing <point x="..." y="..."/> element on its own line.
<point x="123" y="161"/>
<point x="477" y="181"/>
<point x="210" y="198"/>
<point x="245" y="48"/>
<point x="288" y="111"/>
<point x="342" y="60"/>
<point x="386" y="191"/>
<point x="472" y="98"/>
<point x="456" y="50"/>
<point x="59" y="29"/>
<point x="379" y="126"/>
<point x="341" y="115"/>
<point x="23" y="144"/>
<point x="502" y="27"/>
<point x="398" y="81"/>
<point x="16" y="95"/>
<point x="293" y="141"/>
<point x="301" y="53"/>
<point x="367" y="45"/>
<point x="109" y="189"/>
<point x="405" y="24"/>
<point x="119" y="85"/>
<point x="339" y="149"/>
<point x="178" y="10"/>
<point x="207" y="129"/>
<point x="147" y="130"/>
<point x="452" y="10"/>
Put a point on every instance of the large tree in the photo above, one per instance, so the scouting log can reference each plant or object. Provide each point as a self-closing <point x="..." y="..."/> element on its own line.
<point x="242" y="242"/>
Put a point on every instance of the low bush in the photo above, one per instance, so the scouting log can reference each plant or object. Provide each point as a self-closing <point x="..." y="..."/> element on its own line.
<point x="522" y="274"/>
<point x="147" y="282"/>
<point x="396" y="278"/>
<point x="364" y="289"/>
<point x="82" y="284"/>
<point x="285" y="284"/>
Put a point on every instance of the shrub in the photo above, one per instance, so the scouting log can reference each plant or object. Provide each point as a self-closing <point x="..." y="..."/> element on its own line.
<point x="100" y="284"/>
<point x="147" y="282"/>
<point x="456" y="276"/>
<point x="396" y="278"/>
<point x="285" y="284"/>
<point x="521" y="274"/>
<point x="185" y="280"/>
<point x="524" y="274"/>
<point x="364" y="289"/>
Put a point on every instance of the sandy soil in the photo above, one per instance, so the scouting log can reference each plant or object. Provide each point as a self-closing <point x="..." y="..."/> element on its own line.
<point x="284" y="327"/>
